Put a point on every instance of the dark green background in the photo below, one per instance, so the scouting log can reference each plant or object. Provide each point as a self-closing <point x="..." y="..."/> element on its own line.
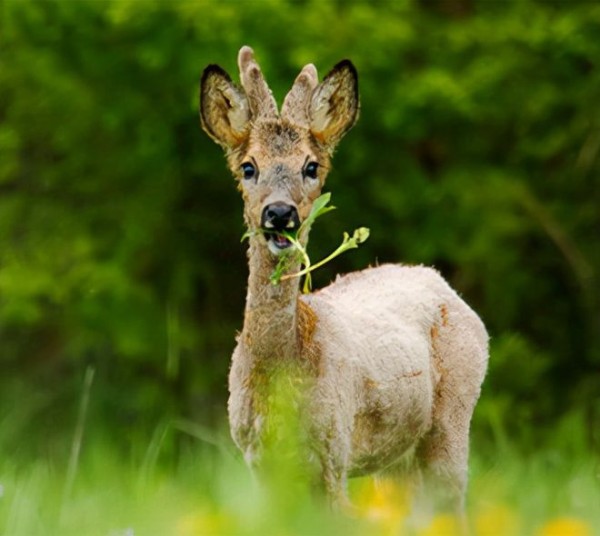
<point x="477" y="151"/>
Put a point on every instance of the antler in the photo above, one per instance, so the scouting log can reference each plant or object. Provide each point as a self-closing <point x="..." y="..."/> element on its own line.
<point x="296" y="103"/>
<point x="261" y="101"/>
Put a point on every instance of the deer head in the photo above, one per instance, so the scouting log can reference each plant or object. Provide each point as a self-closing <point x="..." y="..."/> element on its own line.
<point x="280" y="160"/>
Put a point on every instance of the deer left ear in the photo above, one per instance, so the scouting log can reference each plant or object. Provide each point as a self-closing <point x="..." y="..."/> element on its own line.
<point x="224" y="110"/>
<point x="334" y="104"/>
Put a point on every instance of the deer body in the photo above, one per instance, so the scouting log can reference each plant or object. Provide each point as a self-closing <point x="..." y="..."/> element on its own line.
<point x="392" y="358"/>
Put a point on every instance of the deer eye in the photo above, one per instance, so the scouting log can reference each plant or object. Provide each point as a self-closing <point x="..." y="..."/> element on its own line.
<point x="248" y="170"/>
<point x="310" y="170"/>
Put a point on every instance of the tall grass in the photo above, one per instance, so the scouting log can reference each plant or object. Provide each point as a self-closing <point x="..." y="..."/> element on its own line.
<point x="209" y="491"/>
<point x="92" y="486"/>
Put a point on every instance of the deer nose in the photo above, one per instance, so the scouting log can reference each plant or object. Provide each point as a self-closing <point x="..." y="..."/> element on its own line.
<point x="280" y="217"/>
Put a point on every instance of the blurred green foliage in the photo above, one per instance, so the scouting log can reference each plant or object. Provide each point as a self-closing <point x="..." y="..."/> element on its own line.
<point x="477" y="152"/>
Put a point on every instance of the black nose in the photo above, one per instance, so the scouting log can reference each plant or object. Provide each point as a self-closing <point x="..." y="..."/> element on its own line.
<point x="280" y="217"/>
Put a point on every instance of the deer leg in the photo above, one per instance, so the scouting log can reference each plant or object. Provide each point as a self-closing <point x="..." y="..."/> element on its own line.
<point x="438" y="483"/>
<point x="459" y="351"/>
<point x="331" y="479"/>
<point x="443" y="457"/>
<point x="335" y="483"/>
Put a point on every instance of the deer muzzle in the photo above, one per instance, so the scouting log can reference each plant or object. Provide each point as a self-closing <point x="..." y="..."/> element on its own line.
<point x="277" y="220"/>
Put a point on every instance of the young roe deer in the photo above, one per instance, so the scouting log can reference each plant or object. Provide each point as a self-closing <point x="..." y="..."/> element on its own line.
<point x="394" y="357"/>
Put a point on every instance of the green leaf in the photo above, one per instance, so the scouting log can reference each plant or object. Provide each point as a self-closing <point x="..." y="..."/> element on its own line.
<point x="318" y="209"/>
<point x="286" y="261"/>
<point x="298" y="254"/>
<point x="349" y="242"/>
<point x="250" y="233"/>
<point x="361" y="235"/>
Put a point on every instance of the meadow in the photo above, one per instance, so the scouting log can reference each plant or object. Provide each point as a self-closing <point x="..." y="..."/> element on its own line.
<point x="205" y="489"/>
<point x="123" y="279"/>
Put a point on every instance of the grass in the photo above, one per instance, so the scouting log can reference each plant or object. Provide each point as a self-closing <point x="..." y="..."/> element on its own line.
<point x="88" y="485"/>
<point x="207" y="490"/>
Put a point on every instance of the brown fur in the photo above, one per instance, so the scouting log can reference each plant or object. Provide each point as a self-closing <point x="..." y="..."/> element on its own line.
<point x="390" y="360"/>
<point x="309" y="350"/>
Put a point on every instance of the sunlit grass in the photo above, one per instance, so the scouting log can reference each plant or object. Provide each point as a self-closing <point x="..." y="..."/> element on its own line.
<point x="209" y="491"/>
<point x="89" y="486"/>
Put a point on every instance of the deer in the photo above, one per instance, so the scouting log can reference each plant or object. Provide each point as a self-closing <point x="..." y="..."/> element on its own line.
<point x="393" y="358"/>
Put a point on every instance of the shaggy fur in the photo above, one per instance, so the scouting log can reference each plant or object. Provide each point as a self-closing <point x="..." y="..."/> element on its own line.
<point x="394" y="357"/>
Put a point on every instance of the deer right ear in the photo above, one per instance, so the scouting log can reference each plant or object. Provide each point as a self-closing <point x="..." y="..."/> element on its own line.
<point x="224" y="111"/>
<point x="334" y="104"/>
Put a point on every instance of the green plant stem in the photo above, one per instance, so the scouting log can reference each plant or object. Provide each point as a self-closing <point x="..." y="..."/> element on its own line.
<point x="319" y="208"/>
<point x="77" y="439"/>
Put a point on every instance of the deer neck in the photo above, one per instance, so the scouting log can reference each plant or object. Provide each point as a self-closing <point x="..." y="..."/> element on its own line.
<point x="270" y="320"/>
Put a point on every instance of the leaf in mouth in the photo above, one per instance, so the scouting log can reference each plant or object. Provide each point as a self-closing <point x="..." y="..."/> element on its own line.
<point x="296" y="253"/>
<point x="319" y="208"/>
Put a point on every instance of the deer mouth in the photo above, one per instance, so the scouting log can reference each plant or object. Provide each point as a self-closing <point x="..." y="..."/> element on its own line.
<point x="277" y="243"/>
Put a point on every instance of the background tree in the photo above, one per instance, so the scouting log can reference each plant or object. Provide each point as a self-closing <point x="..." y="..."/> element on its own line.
<point x="477" y="151"/>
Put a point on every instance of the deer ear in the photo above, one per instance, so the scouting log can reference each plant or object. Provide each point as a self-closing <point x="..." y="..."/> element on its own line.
<point x="333" y="108"/>
<point x="224" y="111"/>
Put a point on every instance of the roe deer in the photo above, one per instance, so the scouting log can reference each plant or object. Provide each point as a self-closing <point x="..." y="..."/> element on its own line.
<point x="395" y="358"/>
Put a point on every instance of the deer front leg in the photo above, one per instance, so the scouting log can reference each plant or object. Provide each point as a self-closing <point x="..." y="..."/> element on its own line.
<point x="334" y="483"/>
<point x="333" y="453"/>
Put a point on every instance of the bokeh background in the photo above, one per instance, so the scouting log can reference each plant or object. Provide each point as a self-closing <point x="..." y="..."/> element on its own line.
<point x="477" y="152"/>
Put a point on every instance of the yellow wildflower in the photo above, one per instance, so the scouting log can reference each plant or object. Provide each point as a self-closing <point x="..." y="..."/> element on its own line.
<point x="204" y="524"/>
<point x="565" y="526"/>
<point x="442" y="525"/>
<point x="497" y="520"/>
<point x="383" y="502"/>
